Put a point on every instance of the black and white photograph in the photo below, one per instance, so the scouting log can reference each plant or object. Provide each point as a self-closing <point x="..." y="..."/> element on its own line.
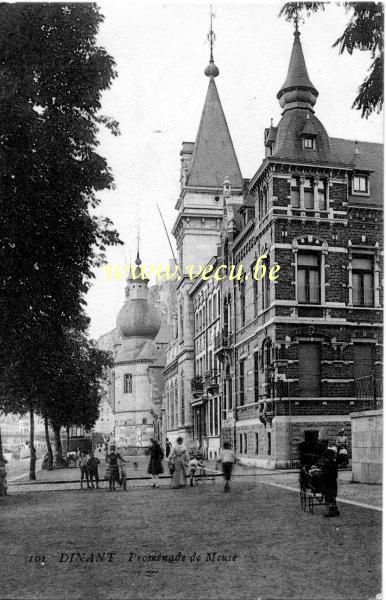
<point x="191" y="300"/>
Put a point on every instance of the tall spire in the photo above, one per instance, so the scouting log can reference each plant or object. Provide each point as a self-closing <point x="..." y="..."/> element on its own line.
<point x="297" y="91"/>
<point x="211" y="70"/>
<point x="214" y="156"/>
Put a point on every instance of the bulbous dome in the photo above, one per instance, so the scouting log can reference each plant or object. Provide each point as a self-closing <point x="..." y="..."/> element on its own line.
<point x="212" y="70"/>
<point x="137" y="318"/>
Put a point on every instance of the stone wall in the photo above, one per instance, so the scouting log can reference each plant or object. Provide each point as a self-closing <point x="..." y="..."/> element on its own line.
<point x="367" y="430"/>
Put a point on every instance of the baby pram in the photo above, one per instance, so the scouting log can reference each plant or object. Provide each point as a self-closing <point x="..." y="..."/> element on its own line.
<point x="311" y="487"/>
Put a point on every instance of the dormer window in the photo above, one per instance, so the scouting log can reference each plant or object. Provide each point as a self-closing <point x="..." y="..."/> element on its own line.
<point x="360" y="185"/>
<point x="309" y="142"/>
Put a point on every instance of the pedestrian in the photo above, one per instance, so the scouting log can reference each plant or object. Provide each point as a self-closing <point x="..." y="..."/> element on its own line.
<point x="112" y="472"/>
<point x="179" y="458"/>
<point x="227" y="458"/>
<point x="330" y="482"/>
<point x="168" y="447"/>
<point x="82" y="464"/>
<point x="92" y="466"/>
<point x="155" y="467"/>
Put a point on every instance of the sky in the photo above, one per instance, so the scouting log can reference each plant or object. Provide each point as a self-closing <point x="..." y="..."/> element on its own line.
<point x="161" y="51"/>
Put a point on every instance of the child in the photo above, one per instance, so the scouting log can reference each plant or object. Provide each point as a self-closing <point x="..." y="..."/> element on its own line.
<point x="227" y="459"/>
<point x="92" y="466"/>
<point x="82" y="464"/>
<point x="194" y="464"/>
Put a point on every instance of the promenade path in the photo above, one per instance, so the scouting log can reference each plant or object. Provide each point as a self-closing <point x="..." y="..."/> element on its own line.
<point x="368" y="495"/>
<point x="131" y="545"/>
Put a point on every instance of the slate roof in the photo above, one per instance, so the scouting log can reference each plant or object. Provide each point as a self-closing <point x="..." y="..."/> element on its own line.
<point x="297" y="76"/>
<point x="214" y="156"/>
<point x="370" y="159"/>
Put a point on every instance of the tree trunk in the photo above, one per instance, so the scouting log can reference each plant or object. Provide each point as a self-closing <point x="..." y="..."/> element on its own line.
<point x="58" y="443"/>
<point x="49" y="446"/>
<point x="68" y="438"/>
<point x="3" y="474"/>
<point x="32" y="462"/>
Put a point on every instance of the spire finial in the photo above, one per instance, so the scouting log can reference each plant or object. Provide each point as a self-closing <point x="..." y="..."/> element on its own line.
<point x="138" y="260"/>
<point x="211" y="70"/>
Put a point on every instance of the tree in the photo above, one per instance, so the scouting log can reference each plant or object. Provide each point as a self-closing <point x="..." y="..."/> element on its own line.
<point x="75" y="387"/>
<point x="52" y="75"/>
<point x="364" y="31"/>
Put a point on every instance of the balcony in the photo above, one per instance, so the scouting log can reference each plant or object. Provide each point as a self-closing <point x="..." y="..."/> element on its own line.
<point x="197" y="386"/>
<point x="211" y="381"/>
<point x="222" y="344"/>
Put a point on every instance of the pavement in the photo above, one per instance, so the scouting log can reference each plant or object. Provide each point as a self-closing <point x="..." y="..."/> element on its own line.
<point x="254" y="543"/>
<point x="348" y="492"/>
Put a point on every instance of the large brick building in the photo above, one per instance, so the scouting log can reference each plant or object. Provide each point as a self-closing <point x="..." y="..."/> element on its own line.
<point x="290" y="354"/>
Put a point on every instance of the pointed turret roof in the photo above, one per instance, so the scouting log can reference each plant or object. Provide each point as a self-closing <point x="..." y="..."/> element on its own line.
<point x="297" y="87"/>
<point x="214" y="156"/>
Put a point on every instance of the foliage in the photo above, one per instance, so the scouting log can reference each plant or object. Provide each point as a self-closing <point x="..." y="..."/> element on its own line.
<point x="52" y="76"/>
<point x="73" y="390"/>
<point x="364" y="31"/>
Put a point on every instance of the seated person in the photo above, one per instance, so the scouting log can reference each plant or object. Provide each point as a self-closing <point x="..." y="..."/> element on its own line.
<point x="195" y="464"/>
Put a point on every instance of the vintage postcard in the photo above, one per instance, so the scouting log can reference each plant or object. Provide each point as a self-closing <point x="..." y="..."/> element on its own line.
<point x="191" y="243"/>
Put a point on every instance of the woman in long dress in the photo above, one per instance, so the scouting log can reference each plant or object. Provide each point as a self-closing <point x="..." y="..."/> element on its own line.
<point x="155" y="467"/>
<point x="180" y="459"/>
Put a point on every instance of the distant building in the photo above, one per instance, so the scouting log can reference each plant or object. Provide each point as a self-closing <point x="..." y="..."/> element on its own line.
<point x="132" y="404"/>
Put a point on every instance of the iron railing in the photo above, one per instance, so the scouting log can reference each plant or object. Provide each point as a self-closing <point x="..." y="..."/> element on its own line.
<point x="369" y="392"/>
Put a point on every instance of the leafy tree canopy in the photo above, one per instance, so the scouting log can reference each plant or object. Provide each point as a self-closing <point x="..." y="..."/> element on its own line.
<point x="364" y="31"/>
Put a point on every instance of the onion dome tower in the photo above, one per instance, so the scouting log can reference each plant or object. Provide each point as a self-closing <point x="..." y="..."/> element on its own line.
<point x="137" y="318"/>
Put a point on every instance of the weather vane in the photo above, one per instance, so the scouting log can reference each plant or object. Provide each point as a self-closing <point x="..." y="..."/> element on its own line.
<point x="211" y="34"/>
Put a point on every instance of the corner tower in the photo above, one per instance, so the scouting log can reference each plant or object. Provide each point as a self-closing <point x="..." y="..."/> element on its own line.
<point x="205" y="164"/>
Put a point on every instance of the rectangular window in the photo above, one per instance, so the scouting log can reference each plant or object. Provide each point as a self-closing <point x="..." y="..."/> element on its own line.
<point x="242" y="303"/>
<point x="256" y="443"/>
<point x="256" y="375"/>
<point x="245" y="443"/>
<point x="309" y="142"/>
<point x="308" y="280"/>
<point x="255" y="297"/>
<point x="360" y="184"/>
<point x="216" y="416"/>
<point x="266" y="286"/>
<point x="364" y="355"/>
<point x="309" y="356"/>
<point x="322" y="195"/>
<point x="295" y="193"/>
<point x="308" y="194"/>
<point x="269" y="448"/>
<point x="363" y="281"/>
<point x="127" y="383"/>
<point x="241" y="443"/>
<point x="242" y="382"/>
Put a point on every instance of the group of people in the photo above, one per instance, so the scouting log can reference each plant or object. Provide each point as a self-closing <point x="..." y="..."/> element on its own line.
<point x="180" y="463"/>
<point x="88" y="465"/>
